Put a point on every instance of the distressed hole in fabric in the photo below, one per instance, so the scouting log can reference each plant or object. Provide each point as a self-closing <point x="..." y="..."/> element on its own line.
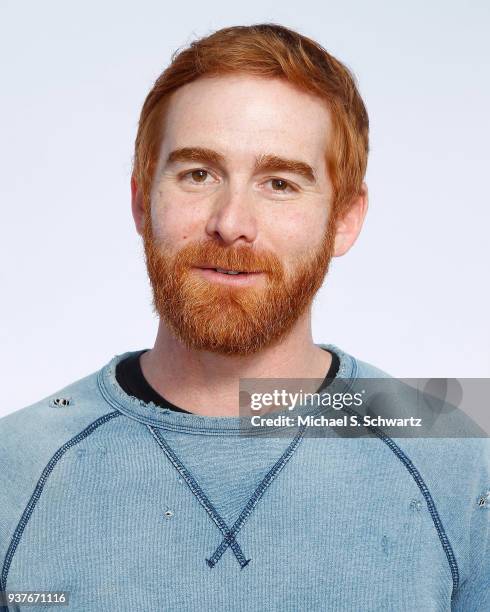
<point x="168" y="514"/>
<point x="387" y="546"/>
<point x="60" y="402"/>
<point x="484" y="500"/>
<point x="415" y="505"/>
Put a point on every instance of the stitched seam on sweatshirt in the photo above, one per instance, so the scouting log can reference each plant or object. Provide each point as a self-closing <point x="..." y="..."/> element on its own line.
<point x="118" y="399"/>
<point x="259" y="491"/>
<point x="39" y="488"/>
<point x="150" y="421"/>
<point x="436" y="519"/>
<point x="199" y="494"/>
<point x="229" y="534"/>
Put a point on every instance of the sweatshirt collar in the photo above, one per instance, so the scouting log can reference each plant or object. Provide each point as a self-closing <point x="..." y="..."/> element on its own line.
<point x="152" y="414"/>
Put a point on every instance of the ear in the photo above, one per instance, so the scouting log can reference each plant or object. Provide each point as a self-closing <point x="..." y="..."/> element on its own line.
<point x="137" y="206"/>
<point x="349" y="226"/>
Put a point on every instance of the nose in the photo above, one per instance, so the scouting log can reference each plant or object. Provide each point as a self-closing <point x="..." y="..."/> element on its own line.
<point x="233" y="218"/>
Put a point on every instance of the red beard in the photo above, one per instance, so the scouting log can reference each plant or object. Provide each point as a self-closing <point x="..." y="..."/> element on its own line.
<point x="226" y="319"/>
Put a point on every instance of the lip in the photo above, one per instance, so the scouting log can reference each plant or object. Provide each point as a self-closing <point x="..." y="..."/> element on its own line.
<point x="206" y="266"/>
<point x="238" y="280"/>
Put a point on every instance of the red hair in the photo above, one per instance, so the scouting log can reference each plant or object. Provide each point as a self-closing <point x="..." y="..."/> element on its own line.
<point x="266" y="50"/>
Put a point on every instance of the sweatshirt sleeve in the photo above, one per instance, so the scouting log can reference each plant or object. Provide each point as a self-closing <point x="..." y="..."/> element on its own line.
<point x="473" y="594"/>
<point x="29" y="439"/>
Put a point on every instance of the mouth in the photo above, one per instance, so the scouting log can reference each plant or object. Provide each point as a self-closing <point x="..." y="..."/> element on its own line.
<point x="235" y="277"/>
<point x="230" y="272"/>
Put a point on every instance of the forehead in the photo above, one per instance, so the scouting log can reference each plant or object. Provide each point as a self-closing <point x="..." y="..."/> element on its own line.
<point x="244" y="115"/>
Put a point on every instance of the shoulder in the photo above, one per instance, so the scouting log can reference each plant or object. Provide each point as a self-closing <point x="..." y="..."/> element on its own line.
<point x="449" y="461"/>
<point x="353" y="367"/>
<point x="368" y="370"/>
<point x="53" y="419"/>
<point x="34" y="439"/>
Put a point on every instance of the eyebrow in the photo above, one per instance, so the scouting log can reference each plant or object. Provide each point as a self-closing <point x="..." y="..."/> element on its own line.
<point x="266" y="162"/>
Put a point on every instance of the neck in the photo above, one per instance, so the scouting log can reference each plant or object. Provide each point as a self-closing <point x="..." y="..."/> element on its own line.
<point x="207" y="383"/>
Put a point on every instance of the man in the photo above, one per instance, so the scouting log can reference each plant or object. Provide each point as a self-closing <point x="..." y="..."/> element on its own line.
<point x="133" y="488"/>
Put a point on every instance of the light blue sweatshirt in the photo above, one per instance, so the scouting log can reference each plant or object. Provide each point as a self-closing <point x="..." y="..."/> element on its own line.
<point x="128" y="506"/>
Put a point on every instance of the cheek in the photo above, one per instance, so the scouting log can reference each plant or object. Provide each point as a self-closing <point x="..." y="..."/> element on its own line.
<point x="173" y="219"/>
<point x="293" y="231"/>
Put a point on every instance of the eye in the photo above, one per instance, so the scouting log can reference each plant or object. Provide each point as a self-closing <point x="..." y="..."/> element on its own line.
<point x="281" y="186"/>
<point x="199" y="175"/>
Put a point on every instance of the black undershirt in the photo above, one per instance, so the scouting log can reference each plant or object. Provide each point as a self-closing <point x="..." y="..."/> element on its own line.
<point x="130" y="377"/>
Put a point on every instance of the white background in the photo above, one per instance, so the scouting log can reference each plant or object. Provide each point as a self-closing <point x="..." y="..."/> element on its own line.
<point x="412" y="295"/>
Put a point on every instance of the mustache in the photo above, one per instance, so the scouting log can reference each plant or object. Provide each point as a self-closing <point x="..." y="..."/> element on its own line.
<point x="211" y="255"/>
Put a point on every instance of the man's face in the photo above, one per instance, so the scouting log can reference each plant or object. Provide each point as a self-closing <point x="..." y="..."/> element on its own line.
<point x="223" y="197"/>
